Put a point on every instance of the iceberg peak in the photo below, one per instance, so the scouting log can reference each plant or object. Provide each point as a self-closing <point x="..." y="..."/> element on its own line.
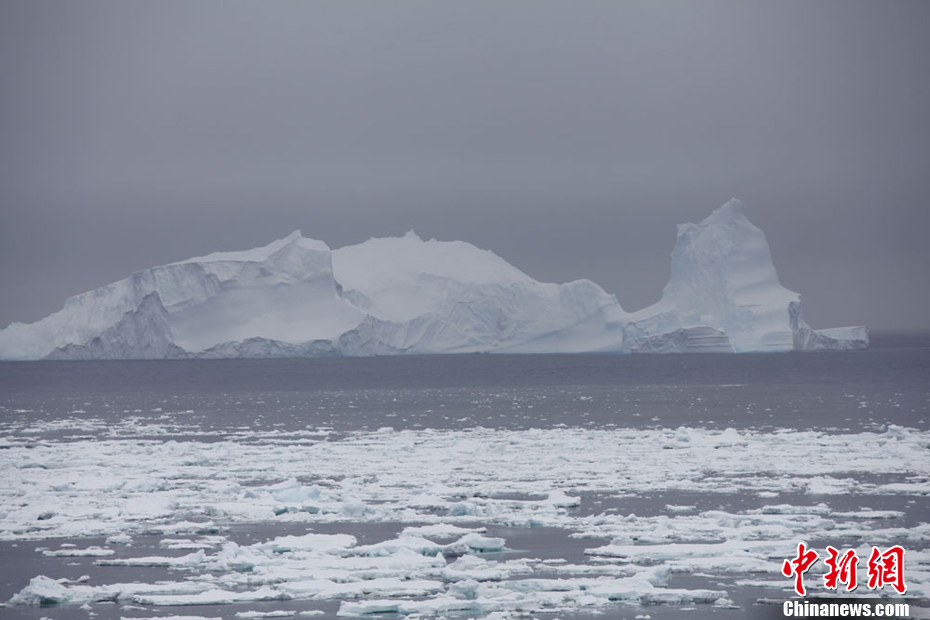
<point x="412" y="235"/>
<point x="731" y="210"/>
<point x="260" y="254"/>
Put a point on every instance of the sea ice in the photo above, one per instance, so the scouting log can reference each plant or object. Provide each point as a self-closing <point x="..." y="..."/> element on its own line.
<point x="465" y="485"/>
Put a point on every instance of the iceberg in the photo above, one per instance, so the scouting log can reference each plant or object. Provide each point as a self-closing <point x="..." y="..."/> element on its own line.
<point x="699" y="338"/>
<point x="226" y="304"/>
<point x="723" y="278"/>
<point x="295" y="297"/>
<point x="452" y="297"/>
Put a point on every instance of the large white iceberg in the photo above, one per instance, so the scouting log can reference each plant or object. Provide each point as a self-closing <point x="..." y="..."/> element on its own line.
<point x="723" y="278"/>
<point x="297" y="298"/>
<point x="452" y="297"/>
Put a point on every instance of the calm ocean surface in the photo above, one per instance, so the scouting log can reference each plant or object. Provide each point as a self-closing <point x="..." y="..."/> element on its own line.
<point x="887" y="384"/>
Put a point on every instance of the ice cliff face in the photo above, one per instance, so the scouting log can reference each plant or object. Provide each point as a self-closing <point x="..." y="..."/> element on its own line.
<point x="696" y="339"/>
<point x="284" y="292"/>
<point x="723" y="277"/>
<point x="142" y="333"/>
<point x="296" y="298"/>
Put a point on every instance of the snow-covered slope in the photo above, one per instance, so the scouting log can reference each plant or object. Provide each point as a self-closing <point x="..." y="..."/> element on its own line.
<point x="296" y="298"/>
<point x="439" y="297"/>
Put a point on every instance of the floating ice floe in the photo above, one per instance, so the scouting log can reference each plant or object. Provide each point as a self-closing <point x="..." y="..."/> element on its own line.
<point x="451" y="488"/>
<point x="77" y="553"/>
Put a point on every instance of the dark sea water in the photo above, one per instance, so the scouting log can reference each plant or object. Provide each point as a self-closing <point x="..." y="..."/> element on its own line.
<point x="887" y="384"/>
<point x="212" y="401"/>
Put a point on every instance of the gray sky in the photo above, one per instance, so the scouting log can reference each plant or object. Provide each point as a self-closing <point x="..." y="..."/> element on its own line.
<point x="569" y="138"/>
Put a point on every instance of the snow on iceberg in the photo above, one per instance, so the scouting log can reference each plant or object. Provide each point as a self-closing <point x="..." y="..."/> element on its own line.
<point x="296" y="298"/>
<point x="452" y="297"/>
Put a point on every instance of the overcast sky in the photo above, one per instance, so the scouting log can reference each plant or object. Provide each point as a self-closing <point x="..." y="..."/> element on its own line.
<point x="569" y="138"/>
